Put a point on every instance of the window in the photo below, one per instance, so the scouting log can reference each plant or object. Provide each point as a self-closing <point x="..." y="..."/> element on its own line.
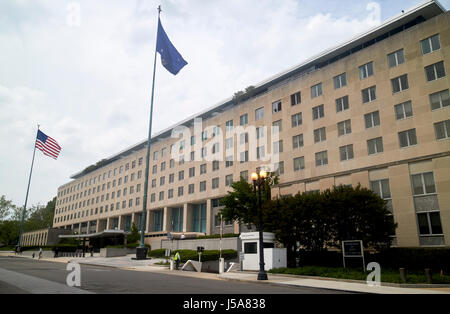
<point x="139" y="163"/>
<point x="215" y="148"/>
<point x="296" y="119"/>
<point x="430" y="44"/>
<point x="228" y="143"/>
<point x="154" y="170"/>
<point x="250" y="248"/>
<point x="319" y="135"/>
<point x="442" y="130"/>
<point x="344" y="127"/>
<point x="181" y="175"/>
<point x="278" y="147"/>
<point x="403" y="110"/>
<point x="423" y="183"/>
<point x="407" y="138"/>
<point x="171" y="178"/>
<point x="429" y="223"/>
<point x="244" y="175"/>
<point x="155" y="155"/>
<point x="400" y="83"/>
<point x="130" y="202"/>
<point x="440" y="99"/>
<point x="340" y="81"/>
<point x="299" y="163"/>
<point x="216" y="131"/>
<point x="243" y="156"/>
<point x="202" y="168"/>
<point x="228" y="161"/>
<point x="180" y="191"/>
<point x="396" y="58"/>
<point x="318" y="112"/>
<point x="215" y="165"/>
<point x="182" y="144"/>
<point x="204" y="136"/>
<point x="296" y="99"/>
<point x="192" y="140"/>
<point x="381" y="187"/>
<point x="243" y="138"/>
<point x="346" y="152"/>
<point x="243" y="120"/>
<point x="342" y="104"/>
<point x="204" y="151"/>
<point x="202" y="186"/>
<point x="260" y="132"/>
<point x="192" y="156"/>
<point x="366" y="70"/>
<point x="372" y="119"/>
<point x="375" y="146"/>
<point x="191" y="172"/>
<point x="369" y="94"/>
<point x="163" y="166"/>
<point x="276" y="106"/>
<point x="138" y="188"/>
<point x="215" y="183"/>
<point x="297" y="141"/>
<point x="163" y="152"/>
<point x="321" y="158"/>
<point x="316" y="90"/>
<point x="191" y="188"/>
<point x="170" y="193"/>
<point x="229" y="126"/>
<point x="228" y="180"/>
<point x="172" y="163"/>
<point x="435" y="71"/>
<point x="279" y="168"/>
<point x="277" y="126"/>
<point x="260" y="152"/>
<point x="259" y="113"/>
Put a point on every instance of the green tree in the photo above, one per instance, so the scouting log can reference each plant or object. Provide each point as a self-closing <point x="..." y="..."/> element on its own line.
<point x="134" y="235"/>
<point x="6" y="207"/>
<point x="41" y="217"/>
<point x="9" y="232"/>
<point x="359" y="214"/>
<point x="241" y="204"/>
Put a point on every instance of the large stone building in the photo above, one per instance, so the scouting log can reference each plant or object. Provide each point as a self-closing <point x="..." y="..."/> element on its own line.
<point x="373" y="111"/>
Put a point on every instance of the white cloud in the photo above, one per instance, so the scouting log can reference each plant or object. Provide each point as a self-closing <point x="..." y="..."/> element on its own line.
<point x="90" y="85"/>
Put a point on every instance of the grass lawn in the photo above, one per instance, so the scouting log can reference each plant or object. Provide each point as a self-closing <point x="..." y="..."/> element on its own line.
<point x="387" y="275"/>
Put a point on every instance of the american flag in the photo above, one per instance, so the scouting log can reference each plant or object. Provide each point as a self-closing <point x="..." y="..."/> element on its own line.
<point x="47" y="145"/>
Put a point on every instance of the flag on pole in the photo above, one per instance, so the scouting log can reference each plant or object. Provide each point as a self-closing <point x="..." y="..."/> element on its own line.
<point x="170" y="57"/>
<point x="47" y="145"/>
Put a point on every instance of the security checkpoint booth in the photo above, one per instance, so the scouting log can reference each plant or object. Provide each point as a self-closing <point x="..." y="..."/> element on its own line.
<point x="273" y="257"/>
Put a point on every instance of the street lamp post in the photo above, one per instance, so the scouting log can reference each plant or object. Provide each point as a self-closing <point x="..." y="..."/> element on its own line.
<point x="258" y="184"/>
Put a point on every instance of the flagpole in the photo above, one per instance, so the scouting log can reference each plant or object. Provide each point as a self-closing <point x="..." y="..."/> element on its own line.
<point x="147" y="161"/>
<point x="26" y="197"/>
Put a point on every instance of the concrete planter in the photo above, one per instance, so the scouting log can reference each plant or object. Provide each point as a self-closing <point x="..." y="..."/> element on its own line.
<point x="45" y="254"/>
<point x="114" y="252"/>
<point x="213" y="266"/>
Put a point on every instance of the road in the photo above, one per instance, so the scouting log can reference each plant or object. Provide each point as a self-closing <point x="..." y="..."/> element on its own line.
<point x="22" y="275"/>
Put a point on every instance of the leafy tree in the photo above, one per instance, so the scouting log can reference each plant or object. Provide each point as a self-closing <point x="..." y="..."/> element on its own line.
<point x="41" y="217"/>
<point x="6" y="207"/>
<point x="134" y="235"/>
<point x="359" y="214"/>
<point x="241" y="204"/>
<point x="9" y="232"/>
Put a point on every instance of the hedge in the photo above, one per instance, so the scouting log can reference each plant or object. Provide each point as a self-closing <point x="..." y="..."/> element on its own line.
<point x="217" y="236"/>
<point x="416" y="259"/>
<point x="207" y="255"/>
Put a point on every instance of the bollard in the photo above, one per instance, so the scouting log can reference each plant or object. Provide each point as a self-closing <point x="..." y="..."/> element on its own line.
<point x="428" y="275"/>
<point x="402" y="274"/>
<point x="171" y="264"/>
<point x="221" y="265"/>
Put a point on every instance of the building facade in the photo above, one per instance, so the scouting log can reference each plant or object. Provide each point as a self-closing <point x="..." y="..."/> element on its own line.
<point x="42" y="237"/>
<point x="373" y="111"/>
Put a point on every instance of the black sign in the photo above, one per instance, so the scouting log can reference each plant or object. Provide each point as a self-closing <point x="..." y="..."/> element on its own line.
<point x="352" y="248"/>
<point x="200" y="249"/>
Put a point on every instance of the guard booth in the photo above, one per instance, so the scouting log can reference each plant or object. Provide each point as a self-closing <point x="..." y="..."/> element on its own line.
<point x="273" y="257"/>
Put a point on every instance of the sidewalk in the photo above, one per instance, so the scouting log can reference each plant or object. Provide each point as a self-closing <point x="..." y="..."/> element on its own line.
<point x="126" y="262"/>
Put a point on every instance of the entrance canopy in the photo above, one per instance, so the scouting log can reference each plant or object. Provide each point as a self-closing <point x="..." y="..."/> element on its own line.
<point x="103" y="234"/>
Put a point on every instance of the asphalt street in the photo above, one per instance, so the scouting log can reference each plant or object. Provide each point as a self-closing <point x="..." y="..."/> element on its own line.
<point x="95" y="279"/>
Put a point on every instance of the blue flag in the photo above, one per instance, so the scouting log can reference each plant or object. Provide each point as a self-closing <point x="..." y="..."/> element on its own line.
<point x="170" y="57"/>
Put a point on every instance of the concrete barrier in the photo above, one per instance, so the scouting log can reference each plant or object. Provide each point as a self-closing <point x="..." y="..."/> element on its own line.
<point x="208" y="244"/>
<point x="114" y="252"/>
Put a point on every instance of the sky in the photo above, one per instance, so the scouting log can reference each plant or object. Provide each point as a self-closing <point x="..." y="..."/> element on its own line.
<point x="82" y="69"/>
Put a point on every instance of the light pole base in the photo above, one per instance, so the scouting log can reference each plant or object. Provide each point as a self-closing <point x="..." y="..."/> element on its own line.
<point x="262" y="275"/>
<point x="141" y="253"/>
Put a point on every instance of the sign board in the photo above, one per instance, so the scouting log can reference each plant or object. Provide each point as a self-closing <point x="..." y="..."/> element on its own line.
<point x="353" y="248"/>
<point x="200" y="249"/>
<point x="167" y="253"/>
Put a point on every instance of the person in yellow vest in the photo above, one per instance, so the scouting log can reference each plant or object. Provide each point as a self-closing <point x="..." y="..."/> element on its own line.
<point x="177" y="259"/>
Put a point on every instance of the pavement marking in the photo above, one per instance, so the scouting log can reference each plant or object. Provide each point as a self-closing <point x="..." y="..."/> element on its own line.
<point x="37" y="285"/>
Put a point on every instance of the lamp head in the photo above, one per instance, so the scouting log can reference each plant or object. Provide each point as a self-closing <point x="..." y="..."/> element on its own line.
<point x="262" y="174"/>
<point x="254" y="176"/>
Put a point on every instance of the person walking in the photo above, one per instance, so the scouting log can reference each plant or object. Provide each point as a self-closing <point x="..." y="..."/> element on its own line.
<point x="177" y="259"/>
<point x="40" y="253"/>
